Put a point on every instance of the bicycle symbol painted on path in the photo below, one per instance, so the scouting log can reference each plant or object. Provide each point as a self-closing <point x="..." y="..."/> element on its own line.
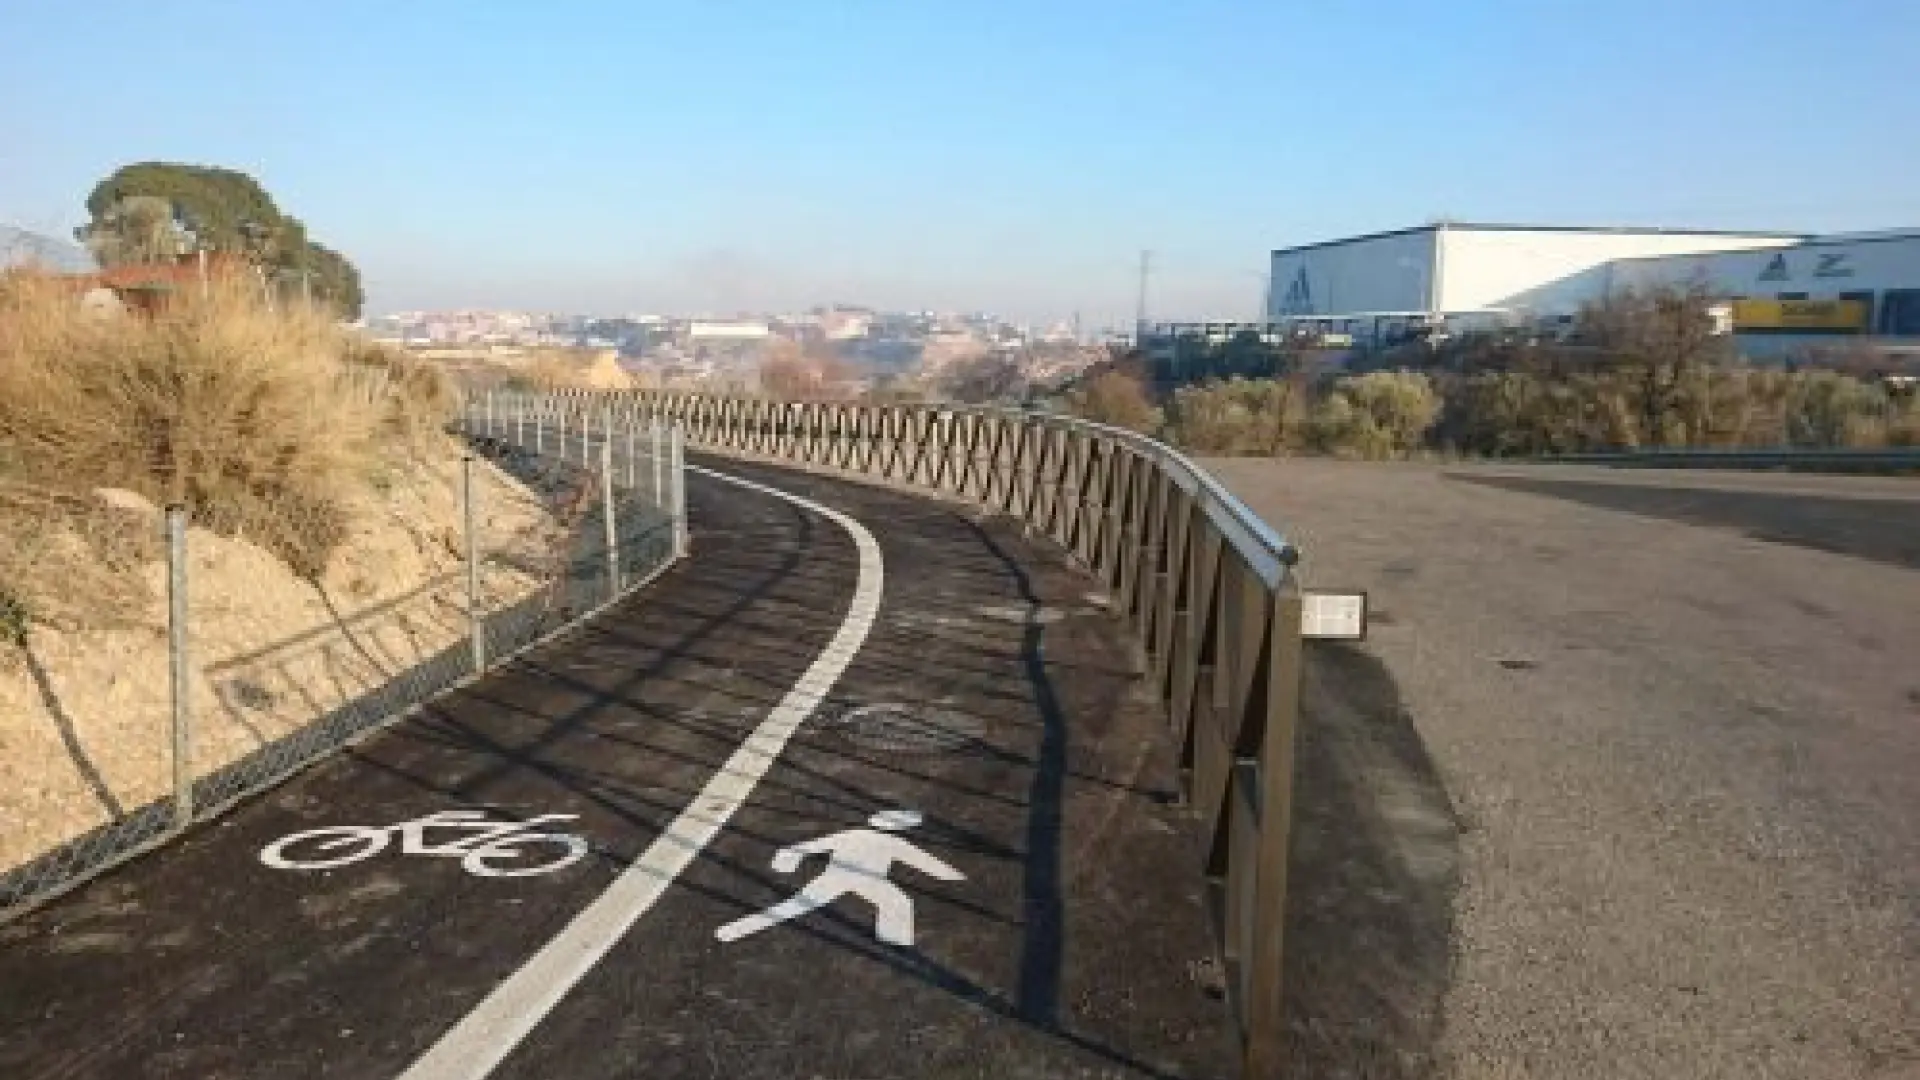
<point x="491" y="849"/>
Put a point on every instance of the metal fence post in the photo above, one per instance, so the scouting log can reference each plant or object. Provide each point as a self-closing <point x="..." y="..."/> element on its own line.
<point x="586" y="437"/>
<point x="179" y="674"/>
<point x="488" y="427"/>
<point x="654" y="495"/>
<point x="476" y="616"/>
<point x="633" y="466"/>
<point x="540" y="431"/>
<point x="520" y="421"/>
<point x="607" y="507"/>
<point x="1264" y="956"/>
<point x="682" y="538"/>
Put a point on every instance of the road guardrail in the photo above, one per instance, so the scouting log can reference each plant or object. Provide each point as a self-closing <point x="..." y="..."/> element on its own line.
<point x="1811" y="459"/>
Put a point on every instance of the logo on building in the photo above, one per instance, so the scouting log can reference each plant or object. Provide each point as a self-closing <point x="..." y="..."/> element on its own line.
<point x="1776" y="270"/>
<point x="1833" y="266"/>
<point x="1299" y="296"/>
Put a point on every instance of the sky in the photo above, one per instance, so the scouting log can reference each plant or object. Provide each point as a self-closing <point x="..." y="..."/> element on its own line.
<point x="1013" y="157"/>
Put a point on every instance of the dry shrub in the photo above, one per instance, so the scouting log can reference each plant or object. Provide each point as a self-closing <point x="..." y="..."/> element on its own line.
<point x="1903" y="420"/>
<point x="418" y="398"/>
<point x="981" y="380"/>
<point x="422" y="398"/>
<point x="552" y="371"/>
<point x="1501" y="413"/>
<point x="574" y="369"/>
<point x="1239" y="417"/>
<point x="1116" y="398"/>
<point x="1809" y="408"/>
<point x="257" y="419"/>
<point x="1824" y="408"/>
<point x="1385" y="414"/>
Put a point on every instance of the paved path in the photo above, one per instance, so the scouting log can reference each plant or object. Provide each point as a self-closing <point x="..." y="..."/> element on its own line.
<point x="1066" y="947"/>
<point x="1625" y="783"/>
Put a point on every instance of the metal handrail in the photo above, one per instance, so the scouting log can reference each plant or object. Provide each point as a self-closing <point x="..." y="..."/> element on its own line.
<point x="1266" y="550"/>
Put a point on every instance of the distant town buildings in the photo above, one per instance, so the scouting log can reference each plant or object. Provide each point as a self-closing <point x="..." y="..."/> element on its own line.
<point x="839" y="325"/>
<point x="729" y="352"/>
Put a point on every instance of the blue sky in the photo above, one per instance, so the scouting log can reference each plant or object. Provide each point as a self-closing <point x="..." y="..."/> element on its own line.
<point x="1003" y="156"/>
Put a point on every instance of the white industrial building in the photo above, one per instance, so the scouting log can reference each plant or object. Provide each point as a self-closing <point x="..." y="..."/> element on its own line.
<point x="733" y="330"/>
<point x="1875" y="277"/>
<point x="1465" y="275"/>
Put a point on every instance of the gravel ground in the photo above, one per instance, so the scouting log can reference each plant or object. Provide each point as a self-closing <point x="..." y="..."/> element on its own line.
<point x="1670" y="725"/>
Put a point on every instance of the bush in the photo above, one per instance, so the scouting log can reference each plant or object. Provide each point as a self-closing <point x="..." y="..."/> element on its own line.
<point x="1824" y="408"/>
<point x="1903" y="421"/>
<point x="262" y="421"/>
<point x="1113" y="397"/>
<point x="1381" y="415"/>
<point x="415" y="397"/>
<point x="1239" y="417"/>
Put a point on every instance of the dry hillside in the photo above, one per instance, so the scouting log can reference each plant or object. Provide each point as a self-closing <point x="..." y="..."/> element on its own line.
<point x="325" y="550"/>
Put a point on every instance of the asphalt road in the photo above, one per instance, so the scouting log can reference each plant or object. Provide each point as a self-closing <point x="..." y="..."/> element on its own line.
<point x="1635" y="762"/>
<point x="1057" y="924"/>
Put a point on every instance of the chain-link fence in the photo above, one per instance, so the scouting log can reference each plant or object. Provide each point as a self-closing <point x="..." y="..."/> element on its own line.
<point x="551" y="512"/>
<point x="615" y="482"/>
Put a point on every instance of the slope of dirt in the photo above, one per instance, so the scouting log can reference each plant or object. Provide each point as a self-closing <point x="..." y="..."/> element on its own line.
<point x="85" y="718"/>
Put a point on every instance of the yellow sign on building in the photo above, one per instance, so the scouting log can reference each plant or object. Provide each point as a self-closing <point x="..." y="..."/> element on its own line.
<point x="1799" y="315"/>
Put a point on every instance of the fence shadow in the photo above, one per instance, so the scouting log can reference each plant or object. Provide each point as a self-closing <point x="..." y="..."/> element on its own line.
<point x="1042" y="944"/>
<point x="572" y="582"/>
<point x="69" y="738"/>
<point x="1375" y="866"/>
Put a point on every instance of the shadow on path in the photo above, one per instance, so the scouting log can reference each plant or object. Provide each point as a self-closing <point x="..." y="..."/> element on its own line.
<point x="1879" y="530"/>
<point x="1041" y="946"/>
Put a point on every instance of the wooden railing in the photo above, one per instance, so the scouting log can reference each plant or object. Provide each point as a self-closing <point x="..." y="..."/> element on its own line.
<point x="1205" y="586"/>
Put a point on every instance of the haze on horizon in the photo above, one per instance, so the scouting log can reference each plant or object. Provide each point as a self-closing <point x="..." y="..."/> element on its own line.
<point x="1009" y="157"/>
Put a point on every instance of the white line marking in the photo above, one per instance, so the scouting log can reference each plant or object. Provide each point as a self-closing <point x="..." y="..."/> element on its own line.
<point x="485" y="1036"/>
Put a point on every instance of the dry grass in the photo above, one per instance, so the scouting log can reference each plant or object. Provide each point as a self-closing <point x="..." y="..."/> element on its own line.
<point x="326" y="499"/>
<point x="264" y="423"/>
<point x="553" y="369"/>
<point x="579" y="369"/>
<point x="67" y="562"/>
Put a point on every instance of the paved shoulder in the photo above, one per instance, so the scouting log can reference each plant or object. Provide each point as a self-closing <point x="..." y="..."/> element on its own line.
<point x="1875" y="518"/>
<point x="961" y="864"/>
<point x="1675" y="717"/>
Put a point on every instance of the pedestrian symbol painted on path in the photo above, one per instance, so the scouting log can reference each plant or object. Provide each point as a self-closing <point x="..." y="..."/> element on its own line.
<point x="858" y="864"/>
